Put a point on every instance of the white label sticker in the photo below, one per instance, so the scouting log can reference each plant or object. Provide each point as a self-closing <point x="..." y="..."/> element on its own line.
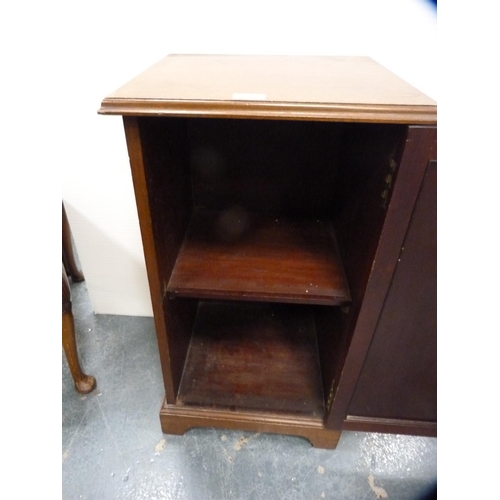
<point x="249" y="97"/>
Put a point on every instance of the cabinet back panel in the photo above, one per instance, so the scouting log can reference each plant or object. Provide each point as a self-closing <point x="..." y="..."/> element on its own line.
<point x="282" y="167"/>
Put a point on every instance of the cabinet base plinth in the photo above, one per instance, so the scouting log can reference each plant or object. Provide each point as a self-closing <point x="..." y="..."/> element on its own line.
<point x="179" y="419"/>
<point x="390" y="425"/>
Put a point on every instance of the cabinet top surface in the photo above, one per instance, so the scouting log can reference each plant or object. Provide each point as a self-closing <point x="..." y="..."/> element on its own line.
<point x="288" y="87"/>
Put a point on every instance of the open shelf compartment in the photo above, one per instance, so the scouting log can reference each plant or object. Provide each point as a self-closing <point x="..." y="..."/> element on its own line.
<point x="235" y="254"/>
<point x="253" y="356"/>
<point x="262" y="238"/>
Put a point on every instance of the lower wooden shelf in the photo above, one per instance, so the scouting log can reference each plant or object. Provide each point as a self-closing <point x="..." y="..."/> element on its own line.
<point x="253" y="357"/>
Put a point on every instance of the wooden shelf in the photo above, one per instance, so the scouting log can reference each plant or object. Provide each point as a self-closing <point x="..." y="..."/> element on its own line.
<point x="253" y="356"/>
<point x="248" y="256"/>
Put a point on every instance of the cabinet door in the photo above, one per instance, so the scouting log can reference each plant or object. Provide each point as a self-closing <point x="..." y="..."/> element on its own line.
<point x="397" y="384"/>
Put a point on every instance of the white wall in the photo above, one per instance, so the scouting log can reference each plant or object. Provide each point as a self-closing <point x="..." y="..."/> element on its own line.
<point x="108" y="43"/>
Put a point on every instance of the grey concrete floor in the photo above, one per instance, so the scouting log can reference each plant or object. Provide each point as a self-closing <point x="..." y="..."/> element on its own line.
<point x="113" y="447"/>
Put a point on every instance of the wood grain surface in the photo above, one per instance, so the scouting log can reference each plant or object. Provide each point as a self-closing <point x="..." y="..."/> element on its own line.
<point x="250" y="256"/>
<point x="403" y="386"/>
<point x="253" y="356"/>
<point x="178" y="419"/>
<point x="291" y="87"/>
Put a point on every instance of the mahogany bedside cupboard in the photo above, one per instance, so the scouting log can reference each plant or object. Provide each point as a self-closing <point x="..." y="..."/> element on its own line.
<point x="287" y="208"/>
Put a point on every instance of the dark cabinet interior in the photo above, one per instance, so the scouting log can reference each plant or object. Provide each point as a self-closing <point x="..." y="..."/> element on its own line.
<point x="265" y="233"/>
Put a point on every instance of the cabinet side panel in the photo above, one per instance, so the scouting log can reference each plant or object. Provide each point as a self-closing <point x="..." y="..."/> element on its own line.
<point x="368" y="151"/>
<point x="371" y="281"/>
<point x="398" y="379"/>
<point x="165" y="153"/>
<point x="166" y="163"/>
<point x="139" y="179"/>
<point x="358" y="213"/>
<point x="331" y="328"/>
<point x="158" y="157"/>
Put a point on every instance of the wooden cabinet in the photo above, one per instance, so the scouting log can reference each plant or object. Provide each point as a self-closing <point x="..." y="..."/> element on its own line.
<point x="274" y="196"/>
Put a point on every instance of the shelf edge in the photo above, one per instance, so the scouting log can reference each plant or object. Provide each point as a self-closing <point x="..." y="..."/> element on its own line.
<point x="257" y="297"/>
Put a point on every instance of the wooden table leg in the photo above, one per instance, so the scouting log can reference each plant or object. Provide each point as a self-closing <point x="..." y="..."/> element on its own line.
<point x="68" y="256"/>
<point x="83" y="383"/>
